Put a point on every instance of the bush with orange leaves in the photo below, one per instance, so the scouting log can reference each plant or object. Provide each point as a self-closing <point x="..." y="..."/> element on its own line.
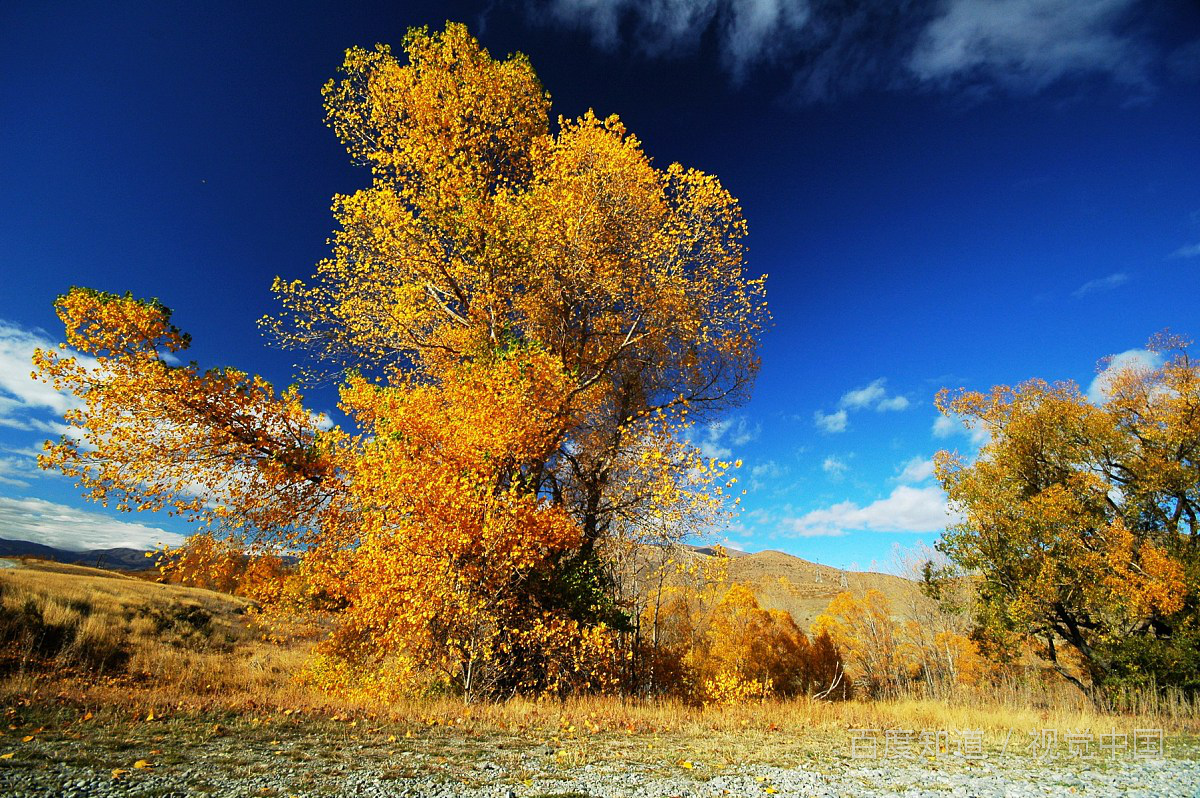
<point x="731" y="650"/>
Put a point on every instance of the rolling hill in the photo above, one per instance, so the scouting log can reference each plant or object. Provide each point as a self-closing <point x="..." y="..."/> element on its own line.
<point x="785" y="582"/>
<point x="119" y="559"/>
<point x="780" y="581"/>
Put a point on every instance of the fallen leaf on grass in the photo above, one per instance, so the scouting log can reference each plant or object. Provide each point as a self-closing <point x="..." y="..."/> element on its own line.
<point x="9" y="755"/>
<point x="142" y="764"/>
<point x="119" y="772"/>
<point x="27" y="738"/>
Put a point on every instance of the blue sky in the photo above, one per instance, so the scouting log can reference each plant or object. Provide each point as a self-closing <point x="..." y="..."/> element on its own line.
<point x="952" y="193"/>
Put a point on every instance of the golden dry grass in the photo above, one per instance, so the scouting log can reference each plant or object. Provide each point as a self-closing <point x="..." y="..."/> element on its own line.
<point x="190" y="651"/>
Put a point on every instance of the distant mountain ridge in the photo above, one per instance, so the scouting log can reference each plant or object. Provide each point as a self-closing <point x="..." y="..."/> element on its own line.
<point x="118" y="559"/>
<point x="780" y="581"/>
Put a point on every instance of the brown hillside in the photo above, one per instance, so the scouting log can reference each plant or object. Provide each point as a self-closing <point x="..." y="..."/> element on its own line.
<point x="784" y="582"/>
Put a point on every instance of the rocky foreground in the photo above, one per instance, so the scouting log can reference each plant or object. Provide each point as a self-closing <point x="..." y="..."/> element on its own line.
<point x="229" y="765"/>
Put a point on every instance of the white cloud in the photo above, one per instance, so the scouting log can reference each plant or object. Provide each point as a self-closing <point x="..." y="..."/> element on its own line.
<point x="17" y="469"/>
<point x="906" y="509"/>
<point x="834" y="466"/>
<point x="831" y="422"/>
<point x="744" y="433"/>
<point x="948" y="426"/>
<point x="1144" y="359"/>
<point x="917" y="469"/>
<point x="945" y="426"/>
<point x="69" y="528"/>
<point x="833" y="48"/>
<point x="716" y="439"/>
<point x="748" y="32"/>
<point x="865" y="396"/>
<point x="892" y="403"/>
<point x="1189" y="251"/>
<point x="762" y="473"/>
<point x="1102" y="284"/>
<point x="1025" y="46"/>
<point x="872" y="396"/>
<point x="769" y="469"/>
<point x="21" y="396"/>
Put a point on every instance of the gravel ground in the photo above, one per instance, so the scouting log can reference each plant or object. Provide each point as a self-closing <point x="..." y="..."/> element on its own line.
<point x="298" y="767"/>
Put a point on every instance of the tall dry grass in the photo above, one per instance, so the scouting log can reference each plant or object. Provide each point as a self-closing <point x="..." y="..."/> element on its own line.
<point x="101" y="639"/>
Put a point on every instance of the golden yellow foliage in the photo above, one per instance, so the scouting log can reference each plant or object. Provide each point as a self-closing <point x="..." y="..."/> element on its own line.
<point x="1081" y="517"/>
<point x="525" y="321"/>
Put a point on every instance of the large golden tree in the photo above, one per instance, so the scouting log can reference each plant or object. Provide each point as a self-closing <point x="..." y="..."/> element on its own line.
<point x="524" y="318"/>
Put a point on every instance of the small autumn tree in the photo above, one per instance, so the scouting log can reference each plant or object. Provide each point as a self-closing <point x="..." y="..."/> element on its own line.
<point x="1080" y="519"/>
<point x="880" y="660"/>
<point x="524" y="319"/>
<point x="888" y="655"/>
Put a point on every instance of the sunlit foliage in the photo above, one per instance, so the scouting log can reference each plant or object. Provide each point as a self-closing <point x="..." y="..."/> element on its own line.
<point x="524" y="319"/>
<point x="890" y="656"/>
<point x="1081" y="518"/>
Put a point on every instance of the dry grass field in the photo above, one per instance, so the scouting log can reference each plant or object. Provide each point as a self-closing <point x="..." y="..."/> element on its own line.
<point x="115" y="640"/>
<point x="101" y="670"/>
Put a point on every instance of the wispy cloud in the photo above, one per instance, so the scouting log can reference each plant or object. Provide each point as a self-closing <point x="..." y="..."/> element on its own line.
<point x="833" y="49"/>
<point x="1102" y="284"/>
<point x="748" y="32"/>
<point x="831" y="422"/>
<point x="906" y="509"/>
<point x="17" y="471"/>
<point x="945" y="426"/>
<point x="865" y="396"/>
<point x="769" y="469"/>
<point x="873" y="396"/>
<point x="26" y="403"/>
<point x="20" y="394"/>
<point x="1025" y="46"/>
<point x="66" y="527"/>
<point x="949" y="426"/>
<point x="835" y="466"/>
<point x="1188" y="251"/>
<point x="869" y="397"/>
<point x="892" y="403"/>
<point x="716" y="439"/>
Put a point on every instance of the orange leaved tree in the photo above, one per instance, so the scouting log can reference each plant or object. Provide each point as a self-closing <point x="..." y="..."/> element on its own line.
<point x="524" y="318"/>
<point x="1081" y="518"/>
